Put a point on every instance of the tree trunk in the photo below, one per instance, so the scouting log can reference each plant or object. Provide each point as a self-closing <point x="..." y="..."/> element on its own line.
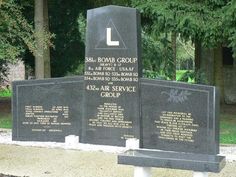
<point x="173" y="43"/>
<point x="47" y="68"/>
<point x="198" y="51"/>
<point x="38" y="21"/>
<point x="42" y="54"/>
<point x="218" y="71"/>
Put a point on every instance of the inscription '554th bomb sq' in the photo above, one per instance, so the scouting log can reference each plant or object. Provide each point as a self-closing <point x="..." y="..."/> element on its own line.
<point x="112" y="72"/>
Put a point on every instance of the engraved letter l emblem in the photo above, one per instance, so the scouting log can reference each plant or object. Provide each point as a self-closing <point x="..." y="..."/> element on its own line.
<point x="109" y="41"/>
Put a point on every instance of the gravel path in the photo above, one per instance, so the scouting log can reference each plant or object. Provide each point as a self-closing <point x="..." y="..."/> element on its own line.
<point x="45" y="162"/>
<point x="59" y="160"/>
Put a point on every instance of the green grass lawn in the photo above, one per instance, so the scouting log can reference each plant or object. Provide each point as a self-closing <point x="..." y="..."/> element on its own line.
<point x="179" y="73"/>
<point x="227" y="127"/>
<point x="5" y="93"/>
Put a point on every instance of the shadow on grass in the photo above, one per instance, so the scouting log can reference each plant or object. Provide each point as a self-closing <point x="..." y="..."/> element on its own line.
<point x="5" y="120"/>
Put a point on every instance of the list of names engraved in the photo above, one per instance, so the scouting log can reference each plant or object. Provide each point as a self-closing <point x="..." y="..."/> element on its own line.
<point x="176" y="126"/>
<point x="110" y="115"/>
<point x="44" y="119"/>
<point x="111" y="77"/>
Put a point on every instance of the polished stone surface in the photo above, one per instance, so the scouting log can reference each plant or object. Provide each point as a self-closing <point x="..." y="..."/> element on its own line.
<point x="180" y="117"/>
<point x="174" y="160"/>
<point x="111" y="78"/>
<point x="47" y="110"/>
<point x="111" y="104"/>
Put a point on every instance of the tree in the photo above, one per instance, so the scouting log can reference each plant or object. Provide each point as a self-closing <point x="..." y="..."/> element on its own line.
<point x="208" y="23"/>
<point x="157" y="56"/>
<point x="16" y="34"/>
<point x="68" y="24"/>
<point x="228" y="23"/>
<point x="3" y="71"/>
<point x="97" y="3"/>
<point x="67" y="57"/>
<point x="42" y="53"/>
<point x="194" y="20"/>
<point x="174" y="49"/>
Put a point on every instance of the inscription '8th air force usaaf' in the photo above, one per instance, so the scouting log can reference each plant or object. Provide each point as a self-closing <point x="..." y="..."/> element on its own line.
<point x="112" y="70"/>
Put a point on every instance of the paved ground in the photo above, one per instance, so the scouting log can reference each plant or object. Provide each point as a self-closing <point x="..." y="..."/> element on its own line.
<point x="33" y="159"/>
<point x="48" y="162"/>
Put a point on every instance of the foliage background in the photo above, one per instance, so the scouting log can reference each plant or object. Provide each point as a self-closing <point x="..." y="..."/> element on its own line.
<point x="208" y="21"/>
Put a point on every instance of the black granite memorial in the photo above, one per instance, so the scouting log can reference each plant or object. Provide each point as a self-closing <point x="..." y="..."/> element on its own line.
<point x="112" y="71"/>
<point x="173" y="160"/>
<point x="180" y="117"/>
<point x="47" y="110"/>
<point x="180" y="127"/>
<point x="177" y="123"/>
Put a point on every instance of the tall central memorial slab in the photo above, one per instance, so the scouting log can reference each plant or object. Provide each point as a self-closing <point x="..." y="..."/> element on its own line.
<point x="111" y="78"/>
